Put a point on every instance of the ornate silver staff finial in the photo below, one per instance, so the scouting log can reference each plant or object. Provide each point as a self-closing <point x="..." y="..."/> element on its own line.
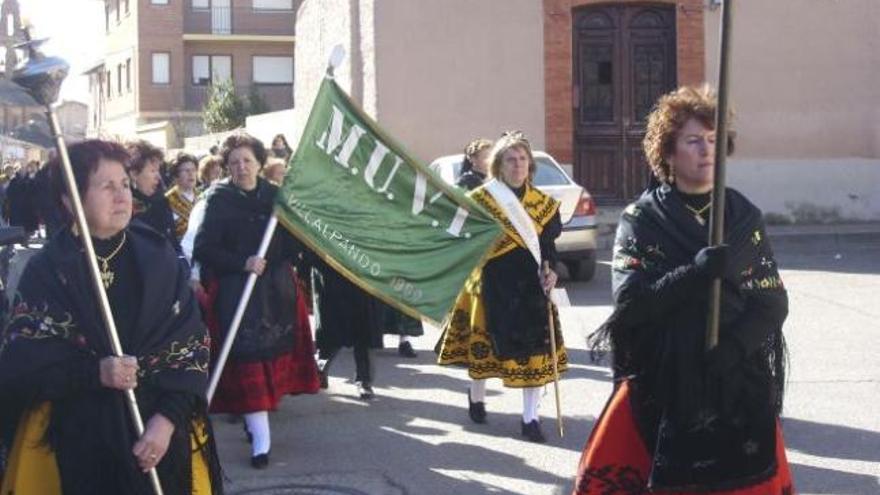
<point x="39" y="75"/>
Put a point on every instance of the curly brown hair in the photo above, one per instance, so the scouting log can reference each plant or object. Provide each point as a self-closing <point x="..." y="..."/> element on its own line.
<point x="141" y="152"/>
<point x="510" y="140"/>
<point x="472" y="149"/>
<point x="672" y="112"/>
<point x="243" y="140"/>
<point x="208" y="163"/>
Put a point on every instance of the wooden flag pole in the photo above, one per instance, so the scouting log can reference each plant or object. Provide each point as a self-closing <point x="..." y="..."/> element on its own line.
<point x="553" y="355"/>
<point x="716" y="222"/>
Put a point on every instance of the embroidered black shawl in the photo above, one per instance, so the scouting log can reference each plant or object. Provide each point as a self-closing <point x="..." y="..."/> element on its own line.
<point x="50" y="349"/>
<point x="657" y="335"/>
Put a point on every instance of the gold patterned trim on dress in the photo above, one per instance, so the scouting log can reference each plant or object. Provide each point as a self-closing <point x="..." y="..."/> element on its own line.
<point x="182" y="207"/>
<point x="540" y="207"/>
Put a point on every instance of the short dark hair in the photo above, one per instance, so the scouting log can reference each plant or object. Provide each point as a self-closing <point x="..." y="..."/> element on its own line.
<point x="178" y="162"/>
<point x="84" y="159"/>
<point x="243" y="140"/>
<point x="670" y="114"/>
<point x="141" y="152"/>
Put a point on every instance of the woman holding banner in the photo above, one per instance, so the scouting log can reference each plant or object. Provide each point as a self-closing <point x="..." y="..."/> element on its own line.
<point x="272" y="355"/>
<point x="499" y="327"/>
<point x="681" y="420"/>
<point x="65" y="425"/>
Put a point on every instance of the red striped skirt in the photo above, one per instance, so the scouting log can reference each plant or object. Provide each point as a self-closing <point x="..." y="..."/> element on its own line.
<point x="616" y="462"/>
<point x="259" y="386"/>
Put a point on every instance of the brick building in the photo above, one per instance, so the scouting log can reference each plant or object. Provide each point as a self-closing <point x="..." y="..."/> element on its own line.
<point x="161" y="56"/>
<point x="579" y="76"/>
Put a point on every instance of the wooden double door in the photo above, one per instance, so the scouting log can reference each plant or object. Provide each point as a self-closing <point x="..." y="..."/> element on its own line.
<point x="624" y="59"/>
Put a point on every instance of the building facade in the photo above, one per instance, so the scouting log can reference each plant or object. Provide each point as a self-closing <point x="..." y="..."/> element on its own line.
<point x="161" y="57"/>
<point x="580" y="76"/>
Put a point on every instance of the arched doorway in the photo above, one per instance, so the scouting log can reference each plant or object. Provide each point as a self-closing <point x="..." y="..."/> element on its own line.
<point x="624" y="58"/>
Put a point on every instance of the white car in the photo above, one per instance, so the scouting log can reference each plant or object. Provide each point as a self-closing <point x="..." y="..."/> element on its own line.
<point x="577" y="244"/>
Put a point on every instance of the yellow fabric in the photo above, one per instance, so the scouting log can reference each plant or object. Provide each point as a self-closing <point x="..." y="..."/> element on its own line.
<point x="466" y="340"/>
<point x="540" y="207"/>
<point x="182" y="208"/>
<point x="31" y="468"/>
<point x="201" y="474"/>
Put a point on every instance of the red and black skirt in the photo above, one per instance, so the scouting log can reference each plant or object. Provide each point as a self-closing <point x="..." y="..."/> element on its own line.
<point x="252" y="386"/>
<point x="615" y="460"/>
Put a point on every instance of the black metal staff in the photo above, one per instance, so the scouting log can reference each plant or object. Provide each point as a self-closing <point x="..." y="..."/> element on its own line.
<point x="41" y="77"/>
<point x="716" y="222"/>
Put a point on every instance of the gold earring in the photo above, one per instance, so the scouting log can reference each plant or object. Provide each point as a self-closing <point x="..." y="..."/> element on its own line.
<point x="671" y="178"/>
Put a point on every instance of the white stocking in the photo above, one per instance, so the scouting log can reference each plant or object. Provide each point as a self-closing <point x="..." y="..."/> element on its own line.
<point x="478" y="390"/>
<point x="258" y="426"/>
<point x="531" y="401"/>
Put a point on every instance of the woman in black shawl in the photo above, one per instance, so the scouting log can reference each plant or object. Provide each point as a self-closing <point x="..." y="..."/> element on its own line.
<point x="273" y="352"/>
<point x="150" y="204"/>
<point x="65" y="425"/>
<point x="681" y="420"/>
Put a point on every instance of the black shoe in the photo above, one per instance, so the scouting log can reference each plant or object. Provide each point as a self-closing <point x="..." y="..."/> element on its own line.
<point x="260" y="461"/>
<point x="248" y="434"/>
<point x="365" y="391"/>
<point x="323" y="372"/>
<point x="532" y="431"/>
<point x="476" y="410"/>
<point x="405" y="349"/>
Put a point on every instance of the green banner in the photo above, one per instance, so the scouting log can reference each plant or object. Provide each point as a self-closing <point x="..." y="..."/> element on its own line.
<point x="384" y="220"/>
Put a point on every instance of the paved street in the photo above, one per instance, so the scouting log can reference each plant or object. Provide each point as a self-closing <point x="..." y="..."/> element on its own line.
<point x="415" y="438"/>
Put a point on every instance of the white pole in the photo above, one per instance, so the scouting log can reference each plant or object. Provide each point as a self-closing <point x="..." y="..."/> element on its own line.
<point x="239" y="312"/>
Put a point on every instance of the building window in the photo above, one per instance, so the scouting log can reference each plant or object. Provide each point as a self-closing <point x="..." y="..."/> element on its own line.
<point x="201" y="4"/>
<point x="159" y="2"/>
<point x="128" y="75"/>
<point x="119" y="79"/>
<point x="107" y="17"/>
<point x="161" y="68"/>
<point x="208" y="69"/>
<point x="273" y="4"/>
<point x="109" y="79"/>
<point x="273" y="70"/>
<point x="126" y="6"/>
<point x="118" y="11"/>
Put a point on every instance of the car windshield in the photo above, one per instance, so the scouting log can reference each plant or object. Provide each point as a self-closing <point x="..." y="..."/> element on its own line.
<point x="548" y="174"/>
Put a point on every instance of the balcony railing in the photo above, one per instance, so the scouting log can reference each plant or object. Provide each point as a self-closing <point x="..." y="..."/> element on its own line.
<point x="225" y="20"/>
<point x="276" y="96"/>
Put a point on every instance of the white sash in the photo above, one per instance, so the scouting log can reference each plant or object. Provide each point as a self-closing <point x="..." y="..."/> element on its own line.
<point x="521" y="221"/>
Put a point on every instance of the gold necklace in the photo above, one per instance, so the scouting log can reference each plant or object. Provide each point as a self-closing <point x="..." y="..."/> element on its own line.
<point x="698" y="213"/>
<point x="108" y="276"/>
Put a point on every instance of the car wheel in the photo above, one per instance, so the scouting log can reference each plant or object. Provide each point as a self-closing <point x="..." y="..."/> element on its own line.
<point x="583" y="270"/>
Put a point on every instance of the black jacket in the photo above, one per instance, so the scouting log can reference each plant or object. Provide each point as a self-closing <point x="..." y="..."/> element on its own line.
<point x="233" y="227"/>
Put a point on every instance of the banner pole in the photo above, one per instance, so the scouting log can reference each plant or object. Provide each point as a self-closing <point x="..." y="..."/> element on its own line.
<point x="239" y="311"/>
<point x="716" y="222"/>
